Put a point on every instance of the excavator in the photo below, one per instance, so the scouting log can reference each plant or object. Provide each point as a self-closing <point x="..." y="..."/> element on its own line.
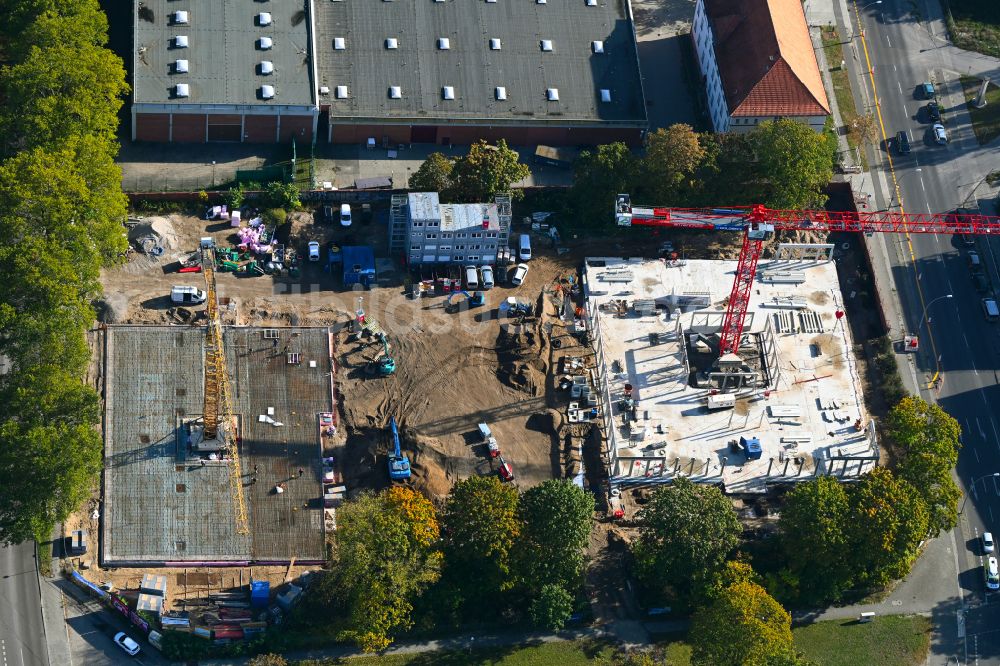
<point x="399" y="464"/>
<point x="474" y="300"/>
<point x="384" y="365"/>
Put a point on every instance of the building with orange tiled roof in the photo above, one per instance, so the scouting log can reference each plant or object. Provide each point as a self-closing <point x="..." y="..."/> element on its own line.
<point x="757" y="63"/>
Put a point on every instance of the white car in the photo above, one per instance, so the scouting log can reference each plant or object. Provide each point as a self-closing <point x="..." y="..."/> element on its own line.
<point x="313" y="251"/>
<point x="126" y="643"/>
<point x="520" y="273"/>
<point x="988" y="545"/>
<point x="940" y="135"/>
<point x="345" y="215"/>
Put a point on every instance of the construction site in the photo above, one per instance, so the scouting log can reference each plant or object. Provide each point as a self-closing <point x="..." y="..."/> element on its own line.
<point x="785" y="405"/>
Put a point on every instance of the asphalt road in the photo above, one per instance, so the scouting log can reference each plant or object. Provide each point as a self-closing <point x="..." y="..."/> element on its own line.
<point x="934" y="280"/>
<point x="22" y="637"/>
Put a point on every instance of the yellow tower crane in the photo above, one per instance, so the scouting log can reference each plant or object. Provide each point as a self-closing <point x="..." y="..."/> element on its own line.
<point x="220" y="422"/>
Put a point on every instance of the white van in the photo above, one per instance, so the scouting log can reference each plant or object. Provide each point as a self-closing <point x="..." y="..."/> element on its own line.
<point x="187" y="295"/>
<point x="524" y="247"/>
<point x="990" y="309"/>
<point x="345" y="215"/>
<point x="471" y="277"/>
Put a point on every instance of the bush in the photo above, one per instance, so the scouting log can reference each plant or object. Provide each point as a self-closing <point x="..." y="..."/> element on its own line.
<point x="282" y="195"/>
<point x="551" y="608"/>
<point x="274" y="217"/>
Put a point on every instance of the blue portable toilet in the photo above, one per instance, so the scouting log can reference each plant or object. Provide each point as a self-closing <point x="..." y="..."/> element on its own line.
<point x="751" y="447"/>
<point x="260" y="593"/>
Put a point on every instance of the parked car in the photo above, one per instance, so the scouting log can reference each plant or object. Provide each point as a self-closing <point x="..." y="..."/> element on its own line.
<point x="313" y="251"/>
<point x="486" y="275"/>
<point x="902" y="143"/>
<point x="981" y="284"/>
<point x="992" y="573"/>
<point x="345" y="215"/>
<point x="988" y="545"/>
<point x="124" y="642"/>
<point x="934" y="111"/>
<point x="940" y="135"/>
<point x="975" y="262"/>
<point x="520" y="273"/>
<point x="927" y="88"/>
<point x="366" y="213"/>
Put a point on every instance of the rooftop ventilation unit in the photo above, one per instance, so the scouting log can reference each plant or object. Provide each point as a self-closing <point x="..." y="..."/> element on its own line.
<point x="264" y="43"/>
<point x="324" y="90"/>
<point x="444" y="43"/>
<point x="266" y="67"/>
<point x="597" y="46"/>
<point x="395" y="92"/>
<point x="605" y="95"/>
<point x="591" y="3"/>
<point x="491" y="1"/>
<point x="180" y="66"/>
<point x="264" y="18"/>
<point x="339" y="44"/>
<point x="540" y="2"/>
<point x="546" y="44"/>
<point x="448" y="92"/>
<point x="180" y="17"/>
<point x="552" y="94"/>
<point x="494" y="44"/>
<point x="180" y="42"/>
<point x="340" y="92"/>
<point x="501" y="93"/>
<point x="267" y="92"/>
<point x="392" y="43"/>
<point x="182" y="90"/>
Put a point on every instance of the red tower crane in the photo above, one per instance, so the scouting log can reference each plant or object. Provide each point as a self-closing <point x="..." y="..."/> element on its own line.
<point x="759" y="223"/>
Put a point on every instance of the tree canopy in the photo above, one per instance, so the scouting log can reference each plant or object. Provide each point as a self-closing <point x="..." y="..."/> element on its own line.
<point x="794" y="164"/>
<point x="686" y="531"/>
<point x="744" y="626"/>
<point x="556" y="517"/>
<point x="486" y="171"/>
<point x="433" y="174"/>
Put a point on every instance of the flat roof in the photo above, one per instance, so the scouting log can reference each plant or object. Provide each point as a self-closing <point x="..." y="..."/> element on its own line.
<point x="806" y="419"/>
<point x="223" y="52"/>
<point x="162" y="506"/>
<point x="417" y="64"/>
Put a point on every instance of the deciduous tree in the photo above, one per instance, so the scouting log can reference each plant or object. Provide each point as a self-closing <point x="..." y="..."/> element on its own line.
<point x="793" y="164"/>
<point x="486" y="171"/>
<point x="556" y="517"/>
<point x="598" y="176"/>
<point x="552" y="607"/>
<point x="433" y="174"/>
<point x="672" y="156"/>
<point x="745" y="626"/>
<point x="686" y="531"/>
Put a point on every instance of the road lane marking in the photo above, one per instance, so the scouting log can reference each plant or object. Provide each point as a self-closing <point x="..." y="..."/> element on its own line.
<point x="922" y="186"/>
<point x="991" y="514"/>
<point x="995" y="434"/>
<point x="996" y="488"/>
<point x="982" y="433"/>
<point x="890" y="46"/>
<point x="976" y="452"/>
<point x="905" y="111"/>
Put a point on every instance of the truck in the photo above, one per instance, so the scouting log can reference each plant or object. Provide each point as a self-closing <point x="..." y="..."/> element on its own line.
<point x="486" y="435"/>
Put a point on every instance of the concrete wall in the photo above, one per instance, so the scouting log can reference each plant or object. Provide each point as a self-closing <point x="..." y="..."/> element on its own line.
<point x="178" y="127"/>
<point x="466" y="134"/>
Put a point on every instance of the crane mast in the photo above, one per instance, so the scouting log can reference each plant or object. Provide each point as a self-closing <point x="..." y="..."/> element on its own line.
<point x="759" y="224"/>
<point x="218" y="415"/>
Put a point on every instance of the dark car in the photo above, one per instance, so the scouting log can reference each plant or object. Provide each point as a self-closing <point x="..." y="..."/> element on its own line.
<point x="902" y="143"/>
<point x="934" y="112"/>
<point x="980" y="282"/>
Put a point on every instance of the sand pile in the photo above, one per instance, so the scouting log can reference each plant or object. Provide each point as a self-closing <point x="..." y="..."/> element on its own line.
<point x="154" y="236"/>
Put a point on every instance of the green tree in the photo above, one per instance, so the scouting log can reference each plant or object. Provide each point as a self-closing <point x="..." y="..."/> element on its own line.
<point x="929" y="438"/>
<point x="686" y="531"/>
<point x="814" y="538"/>
<point x="282" y="195"/>
<point x="551" y="608"/>
<point x="381" y="563"/>
<point x="886" y="521"/>
<point x="731" y="573"/>
<point x="268" y="659"/>
<point x="481" y="525"/>
<point x="673" y="154"/>
<point x="793" y="164"/>
<point x="745" y="626"/>
<point x="556" y="516"/>
<point x="597" y="177"/>
<point x="433" y="174"/>
<point x="485" y="172"/>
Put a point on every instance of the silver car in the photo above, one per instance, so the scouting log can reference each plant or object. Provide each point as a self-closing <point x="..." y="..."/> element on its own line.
<point x="940" y="135"/>
<point x="520" y="273"/>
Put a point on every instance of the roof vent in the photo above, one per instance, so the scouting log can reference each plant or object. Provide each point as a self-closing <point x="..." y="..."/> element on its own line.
<point x="182" y="90"/>
<point x="264" y="43"/>
<point x="598" y="46"/>
<point x="392" y="43"/>
<point x="605" y="95"/>
<point x="180" y="17"/>
<point x="491" y="1"/>
<point x="395" y="92"/>
<point x="180" y="66"/>
<point x="339" y="44"/>
<point x="444" y="43"/>
<point x="546" y="44"/>
<point x="340" y="92"/>
<point x="448" y="92"/>
<point x="494" y="44"/>
<point x="324" y="90"/>
<point x="266" y="67"/>
<point x="540" y="2"/>
<point x="266" y="92"/>
<point x="180" y="42"/>
<point x="501" y="93"/>
<point x="591" y="3"/>
<point x="552" y="94"/>
<point x="264" y="18"/>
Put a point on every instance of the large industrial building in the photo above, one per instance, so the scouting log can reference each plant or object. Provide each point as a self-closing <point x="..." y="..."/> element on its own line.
<point x="557" y="72"/>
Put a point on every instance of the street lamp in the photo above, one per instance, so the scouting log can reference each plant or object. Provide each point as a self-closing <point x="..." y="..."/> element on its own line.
<point x="926" y="307"/>
<point x="877" y="2"/>
<point x="937" y="357"/>
<point x="972" y="488"/>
